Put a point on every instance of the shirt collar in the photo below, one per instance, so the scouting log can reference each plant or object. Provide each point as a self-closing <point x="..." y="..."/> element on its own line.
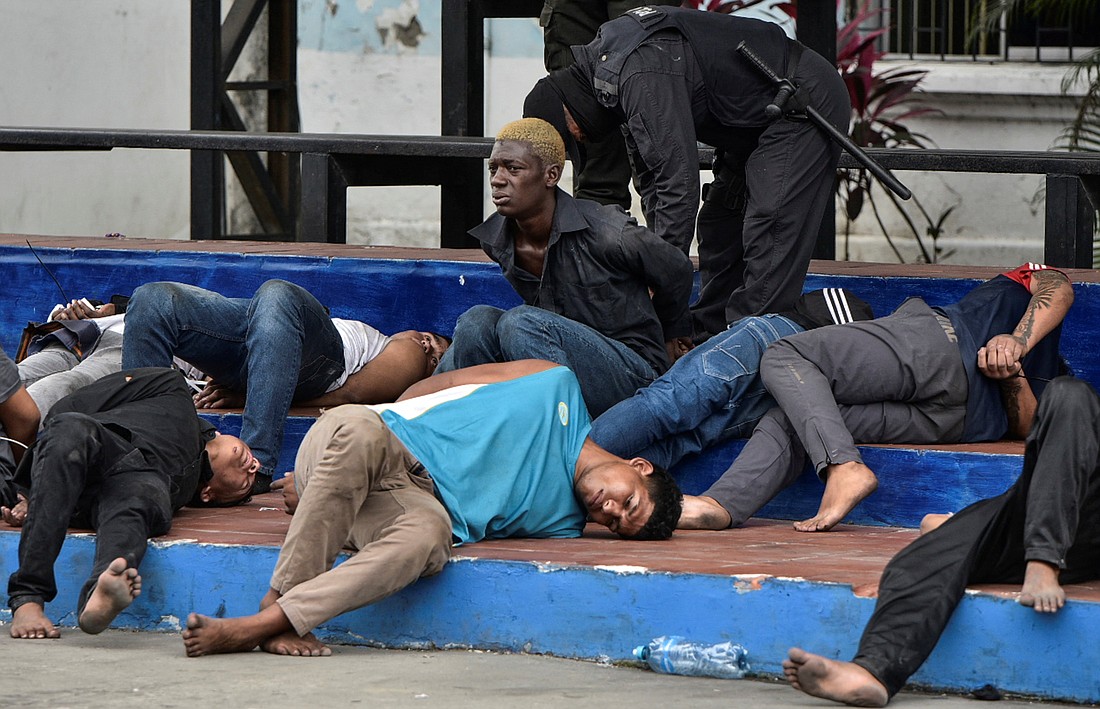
<point x="493" y="231"/>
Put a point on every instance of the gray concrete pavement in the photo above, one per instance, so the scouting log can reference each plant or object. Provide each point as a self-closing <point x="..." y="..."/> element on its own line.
<point x="120" y="669"/>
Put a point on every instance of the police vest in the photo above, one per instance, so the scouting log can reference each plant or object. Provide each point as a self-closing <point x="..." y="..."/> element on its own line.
<point x="737" y="93"/>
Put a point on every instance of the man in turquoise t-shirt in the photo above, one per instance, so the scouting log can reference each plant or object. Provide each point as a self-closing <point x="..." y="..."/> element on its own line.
<point x="497" y="450"/>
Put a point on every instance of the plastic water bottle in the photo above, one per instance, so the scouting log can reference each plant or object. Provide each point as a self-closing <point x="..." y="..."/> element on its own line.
<point x="675" y="655"/>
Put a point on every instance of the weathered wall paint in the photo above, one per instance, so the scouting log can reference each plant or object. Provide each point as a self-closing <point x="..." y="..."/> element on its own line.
<point x="124" y="64"/>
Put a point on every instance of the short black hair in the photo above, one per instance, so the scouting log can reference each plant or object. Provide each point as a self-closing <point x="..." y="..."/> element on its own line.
<point x="668" y="503"/>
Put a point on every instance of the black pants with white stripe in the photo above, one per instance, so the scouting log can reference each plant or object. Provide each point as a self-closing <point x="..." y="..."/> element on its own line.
<point x="897" y="379"/>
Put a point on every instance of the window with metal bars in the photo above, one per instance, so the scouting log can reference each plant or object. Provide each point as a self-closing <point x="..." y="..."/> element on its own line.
<point x="943" y="29"/>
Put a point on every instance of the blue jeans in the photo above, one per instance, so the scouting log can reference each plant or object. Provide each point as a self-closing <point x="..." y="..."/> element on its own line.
<point x="712" y="394"/>
<point x="608" y="370"/>
<point x="278" y="346"/>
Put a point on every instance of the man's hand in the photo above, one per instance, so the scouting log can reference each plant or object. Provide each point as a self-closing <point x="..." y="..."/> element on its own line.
<point x="285" y="485"/>
<point x="677" y="347"/>
<point x="218" y="396"/>
<point x="82" y="310"/>
<point x="15" y="516"/>
<point x="1000" y="358"/>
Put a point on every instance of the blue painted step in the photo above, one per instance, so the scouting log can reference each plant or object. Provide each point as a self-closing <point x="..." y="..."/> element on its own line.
<point x="578" y="610"/>
<point x="602" y="611"/>
<point x="425" y="290"/>
<point x="912" y="481"/>
<point x="430" y="293"/>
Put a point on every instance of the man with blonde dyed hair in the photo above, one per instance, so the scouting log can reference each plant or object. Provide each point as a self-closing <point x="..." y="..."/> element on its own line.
<point x="585" y="272"/>
<point x="545" y="142"/>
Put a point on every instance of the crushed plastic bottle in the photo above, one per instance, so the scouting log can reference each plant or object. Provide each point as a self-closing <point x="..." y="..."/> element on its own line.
<point x="675" y="655"/>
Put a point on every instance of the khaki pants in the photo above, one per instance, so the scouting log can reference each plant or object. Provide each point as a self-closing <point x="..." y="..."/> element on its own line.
<point x="361" y="488"/>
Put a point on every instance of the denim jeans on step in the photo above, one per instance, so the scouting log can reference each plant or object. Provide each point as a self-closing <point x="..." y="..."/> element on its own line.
<point x="278" y="346"/>
<point x="607" y="370"/>
<point x="712" y="394"/>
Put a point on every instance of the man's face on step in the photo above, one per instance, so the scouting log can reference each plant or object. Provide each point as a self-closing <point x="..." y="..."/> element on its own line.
<point x="234" y="469"/>
<point x="616" y="496"/>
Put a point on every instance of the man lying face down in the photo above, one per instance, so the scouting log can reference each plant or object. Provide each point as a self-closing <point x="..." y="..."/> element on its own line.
<point x="492" y="451"/>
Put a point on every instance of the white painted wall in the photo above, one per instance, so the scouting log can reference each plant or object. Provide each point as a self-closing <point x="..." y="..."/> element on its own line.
<point x="95" y="64"/>
<point x="998" y="219"/>
<point x="125" y="64"/>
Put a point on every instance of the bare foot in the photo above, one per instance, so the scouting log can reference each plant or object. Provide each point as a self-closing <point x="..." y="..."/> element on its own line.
<point x="932" y="521"/>
<point x="290" y="643"/>
<point x="702" y="512"/>
<point x="114" y="591"/>
<point x="1041" y="589"/>
<point x="844" y="682"/>
<point x="846" y="484"/>
<point x="211" y="636"/>
<point x="14" y="516"/>
<point x="29" y="622"/>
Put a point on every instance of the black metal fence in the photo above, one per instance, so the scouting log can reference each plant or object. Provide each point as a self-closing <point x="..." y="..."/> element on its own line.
<point x="332" y="163"/>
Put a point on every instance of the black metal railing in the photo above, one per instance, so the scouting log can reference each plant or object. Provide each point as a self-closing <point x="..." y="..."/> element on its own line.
<point x="332" y="163"/>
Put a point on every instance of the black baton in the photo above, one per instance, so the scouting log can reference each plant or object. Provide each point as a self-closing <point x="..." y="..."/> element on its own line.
<point x="775" y="109"/>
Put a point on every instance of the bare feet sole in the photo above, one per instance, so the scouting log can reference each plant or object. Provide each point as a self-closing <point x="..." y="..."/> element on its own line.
<point x="844" y="682"/>
<point x="845" y="487"/>
<point x="29" y="622"/>
<point x="290" y="643"/>
<point x="114" y="591"/>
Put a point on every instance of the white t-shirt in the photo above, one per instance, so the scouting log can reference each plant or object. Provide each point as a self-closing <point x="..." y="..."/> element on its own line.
<point x="112" y="323"/>
<point x="362" y="343"/>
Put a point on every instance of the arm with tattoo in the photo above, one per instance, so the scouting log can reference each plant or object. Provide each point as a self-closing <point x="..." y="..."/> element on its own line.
<point x="1020" y="404"/>
<point x="1051" y="298"/>
<point x="1001" y="358"/>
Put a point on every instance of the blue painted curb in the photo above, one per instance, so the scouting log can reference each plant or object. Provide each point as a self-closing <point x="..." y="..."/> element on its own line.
<point x="603" y="612"/>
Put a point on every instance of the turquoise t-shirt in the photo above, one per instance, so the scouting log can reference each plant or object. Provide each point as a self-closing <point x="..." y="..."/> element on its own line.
<point x="502" y="455"/>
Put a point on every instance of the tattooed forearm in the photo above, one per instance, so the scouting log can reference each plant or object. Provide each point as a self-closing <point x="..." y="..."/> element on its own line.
<point x="1019" y="402"/>
<point x="1049" y="294"/>
<point x="1049" y="283"/>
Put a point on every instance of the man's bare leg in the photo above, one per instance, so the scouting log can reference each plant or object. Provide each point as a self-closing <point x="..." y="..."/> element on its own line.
<point x="1041" y="589"/>
<point x="846" y="484"/>
<point x="29" y="622"/>
<point x="290" y="643"/>
<point x="114" y="591"/>
<point x="844" y="682"/>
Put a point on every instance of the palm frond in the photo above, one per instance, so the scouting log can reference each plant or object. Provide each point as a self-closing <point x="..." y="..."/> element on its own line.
<point x="1083" y="132"/>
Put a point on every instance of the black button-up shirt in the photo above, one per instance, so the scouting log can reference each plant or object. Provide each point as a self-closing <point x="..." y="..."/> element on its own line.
<point x="600" y="269"/>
